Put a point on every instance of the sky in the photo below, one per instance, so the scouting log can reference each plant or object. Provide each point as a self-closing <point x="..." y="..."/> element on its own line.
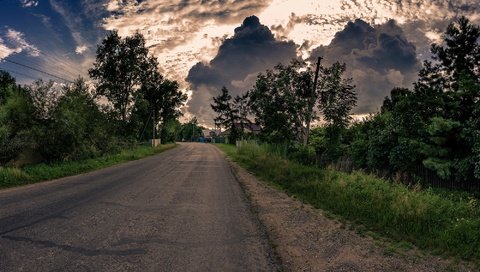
<point x="206" y="44"/>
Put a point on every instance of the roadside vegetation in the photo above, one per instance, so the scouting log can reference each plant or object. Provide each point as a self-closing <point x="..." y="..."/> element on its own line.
<point x="443" y="223"/>
<point x="392" y="172"/>
<point x="12" y="176"/>
<point x="50" y="129"/>
<point x="429" y="134"/>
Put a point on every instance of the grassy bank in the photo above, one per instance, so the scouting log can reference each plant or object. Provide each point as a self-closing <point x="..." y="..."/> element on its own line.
<point x="10" y="177"/>
<point x="430" y="220"/>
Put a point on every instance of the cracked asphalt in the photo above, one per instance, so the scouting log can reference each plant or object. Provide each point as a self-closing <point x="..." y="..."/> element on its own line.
<point x="181" y="210"/>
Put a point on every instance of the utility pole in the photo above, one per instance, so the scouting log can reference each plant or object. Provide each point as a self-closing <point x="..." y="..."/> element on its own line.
<point x="153" y="121"/>
<point x="311" y="102"/>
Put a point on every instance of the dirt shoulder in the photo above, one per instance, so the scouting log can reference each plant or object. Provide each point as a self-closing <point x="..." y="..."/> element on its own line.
<point x="307" y="240"/>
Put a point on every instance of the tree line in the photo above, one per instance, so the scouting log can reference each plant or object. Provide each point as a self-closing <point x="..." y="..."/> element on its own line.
<point x="128" y="99"/>
<point x="435" y="125"/>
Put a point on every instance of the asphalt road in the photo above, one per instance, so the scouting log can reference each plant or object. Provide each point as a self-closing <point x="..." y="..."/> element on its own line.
<point x="181" y="210"/>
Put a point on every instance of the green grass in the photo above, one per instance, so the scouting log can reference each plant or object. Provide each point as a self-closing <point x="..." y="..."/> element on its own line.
<point x="446" y="224"/>
<point x="10" y="177"/>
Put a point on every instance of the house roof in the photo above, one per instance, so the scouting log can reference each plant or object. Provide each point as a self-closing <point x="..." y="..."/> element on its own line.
<point x="248" y="126"/>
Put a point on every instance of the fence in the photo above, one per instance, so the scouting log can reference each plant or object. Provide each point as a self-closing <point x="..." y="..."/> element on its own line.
<point x="420" y="174"/>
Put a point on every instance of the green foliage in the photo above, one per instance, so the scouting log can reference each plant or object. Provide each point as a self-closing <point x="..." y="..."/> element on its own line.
<point x="7" y="83"/>
<point x="77" y="129"/>
<point x="285" y="101"/>
<point x="16" y="125"/>
<point x="431" y="220"/>
<point x="10" y="177"/>
<point x="162" y="96"/>
<point x="190" y="130"/>
<point x="280" y="102"/>
<point x="118" y="69"/>
<point x="337" y="97"/>
<point x="227" y="114"/>
<point x="435" y="124"/>
<point x="171" y="131"/>
<point x="53" y="122"/>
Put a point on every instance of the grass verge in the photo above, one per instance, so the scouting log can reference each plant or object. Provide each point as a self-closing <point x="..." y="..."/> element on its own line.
<point x="422" y="217"/>
<point x="10" y="177"/>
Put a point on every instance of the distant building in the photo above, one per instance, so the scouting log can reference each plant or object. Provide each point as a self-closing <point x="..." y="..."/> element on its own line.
<point x="209" y="134"/>
<point x="246" y="128"/>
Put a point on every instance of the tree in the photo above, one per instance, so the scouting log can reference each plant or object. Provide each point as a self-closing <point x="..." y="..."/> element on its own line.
<point x="45" y="97"/>
<point x="162" y="95"/>
<point x="17" y="122"/>
<point x="7" y="83"/>
<point x="460" y="54"/>
<point x="78" y="129"/>
<point x="227" y="113"/>
<point x="190" y="130"/>
<point x="449" y="88"/>
<point x="435" y="124"/>
<point x="337" y="96"/>
<point x="281" y="102"/>
<point x="118" y="69"/>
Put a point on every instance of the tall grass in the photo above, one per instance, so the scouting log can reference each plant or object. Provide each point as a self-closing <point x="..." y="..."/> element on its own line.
<point x="34" y="173"/>
<point x="423" y="217"/>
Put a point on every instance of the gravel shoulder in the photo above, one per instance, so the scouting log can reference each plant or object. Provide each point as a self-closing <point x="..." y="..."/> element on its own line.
<point x="306" y="239"/>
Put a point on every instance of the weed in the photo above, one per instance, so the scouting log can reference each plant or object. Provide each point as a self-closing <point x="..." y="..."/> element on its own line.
<point x="443" y="222"/>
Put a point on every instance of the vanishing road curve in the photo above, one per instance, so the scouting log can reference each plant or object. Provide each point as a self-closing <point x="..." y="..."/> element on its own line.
<point x="181" y="210"/>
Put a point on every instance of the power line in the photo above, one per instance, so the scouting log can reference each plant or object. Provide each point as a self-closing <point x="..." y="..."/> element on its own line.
<point x="62" y="62"/>
<point x="68" y="70"/>
<point x="18" y="73"/>
<point x="38" y="70"/>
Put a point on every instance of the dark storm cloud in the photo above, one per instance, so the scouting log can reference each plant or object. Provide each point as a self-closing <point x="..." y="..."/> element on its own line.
<point x="251" y="50"/>
<point x="378" y="58"/>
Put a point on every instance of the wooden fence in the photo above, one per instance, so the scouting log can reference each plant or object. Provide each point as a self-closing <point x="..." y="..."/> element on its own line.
<point x="421" y="175"/>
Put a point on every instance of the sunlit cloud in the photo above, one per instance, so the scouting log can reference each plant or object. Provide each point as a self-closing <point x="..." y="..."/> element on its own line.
<point x="5" y="51"/>
<point x="81" y="49"/>
<point x="183" y="33"/>
<point x="14" y="42"/>
<point x="29" y="3"/>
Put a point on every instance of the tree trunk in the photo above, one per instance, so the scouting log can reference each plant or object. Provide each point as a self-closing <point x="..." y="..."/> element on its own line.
<point x="311" y="103"/>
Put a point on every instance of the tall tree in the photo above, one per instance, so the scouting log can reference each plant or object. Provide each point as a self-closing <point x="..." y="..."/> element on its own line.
<point x="281" y="101"/>
<point x="227" y="113"/>
<point x="163" y="96"/>
<point x="336" y="99"/>
<point x="449" y="89"/>
<point x="337" y="96"/>
<point x="118" y="70"/>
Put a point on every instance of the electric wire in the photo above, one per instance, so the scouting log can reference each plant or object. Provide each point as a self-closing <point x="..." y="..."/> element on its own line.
<point x="50" y="64"/>
<point x="18" y="73"/>
<point x="38" y="70"/>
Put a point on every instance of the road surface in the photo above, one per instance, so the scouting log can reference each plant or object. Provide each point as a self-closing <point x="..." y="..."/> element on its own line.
<point x="181" y="210"/>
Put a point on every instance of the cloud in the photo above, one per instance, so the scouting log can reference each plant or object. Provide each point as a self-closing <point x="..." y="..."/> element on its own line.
<point x="182" y="33"/>
<point x="378" y="58"/>
<point x="81" y="49"/>
<point x="252" y="49"/>
<point x="5" y="51"/>
<point x="29" y="3"/>
<point x="75" y="22"/>
<point x="14" y="42"/>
